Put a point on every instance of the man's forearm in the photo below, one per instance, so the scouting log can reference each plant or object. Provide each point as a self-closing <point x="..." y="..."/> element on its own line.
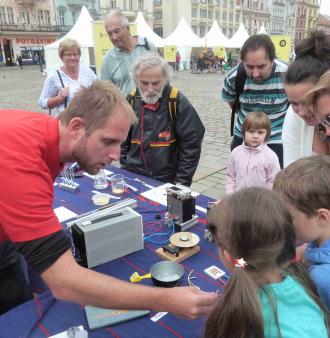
<point x="69" y="281"/>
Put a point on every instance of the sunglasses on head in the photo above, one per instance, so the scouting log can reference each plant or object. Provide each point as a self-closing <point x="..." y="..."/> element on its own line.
<point x="322" y="129"/>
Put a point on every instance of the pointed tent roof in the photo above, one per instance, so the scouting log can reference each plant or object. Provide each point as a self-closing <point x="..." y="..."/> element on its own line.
<point x="81" y="31"/>
<point x="215" y="37"/>
<point x="144" y="30"/>
<point x="239" y="37"/>
<point x="262" y="30"/>
<point x="183" y="36"/>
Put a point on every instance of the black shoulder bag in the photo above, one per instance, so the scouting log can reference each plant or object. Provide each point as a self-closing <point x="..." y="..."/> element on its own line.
<point x="239" y="86"/>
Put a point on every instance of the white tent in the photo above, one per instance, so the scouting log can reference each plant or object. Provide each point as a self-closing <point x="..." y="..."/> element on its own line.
<point x="144" y="30"/>
<point x="82" y="32"/>
<point x="262" y="30"/>
<point x="239" y="38"/>
<point x="215" y="37"/>
<point x="183" y="36"/>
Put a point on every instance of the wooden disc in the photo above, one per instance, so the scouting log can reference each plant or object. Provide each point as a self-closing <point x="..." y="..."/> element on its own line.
<point x="184" y="239"/>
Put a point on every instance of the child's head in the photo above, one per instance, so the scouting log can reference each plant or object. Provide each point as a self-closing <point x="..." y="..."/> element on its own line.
<point x="255" y="225"/>
<point x="256" y="129"/>
<point x="305" y="187"/>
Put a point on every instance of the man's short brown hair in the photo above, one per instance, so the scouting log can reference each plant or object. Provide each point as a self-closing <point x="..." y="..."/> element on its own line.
<point x="305" y="184"/>
<point x="96" y="104"/>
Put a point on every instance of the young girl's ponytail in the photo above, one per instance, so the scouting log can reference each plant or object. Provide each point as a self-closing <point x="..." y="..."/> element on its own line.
<point x="238" y="313"/>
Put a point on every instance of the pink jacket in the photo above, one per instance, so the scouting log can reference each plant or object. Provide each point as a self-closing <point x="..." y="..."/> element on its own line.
<point x="251" y="167"/>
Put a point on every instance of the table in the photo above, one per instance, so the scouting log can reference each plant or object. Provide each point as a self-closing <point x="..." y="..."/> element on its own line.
<point x="46" y="316"/>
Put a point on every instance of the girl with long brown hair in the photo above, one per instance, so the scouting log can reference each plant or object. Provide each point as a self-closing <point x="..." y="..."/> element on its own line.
<point x="269" y="293"/>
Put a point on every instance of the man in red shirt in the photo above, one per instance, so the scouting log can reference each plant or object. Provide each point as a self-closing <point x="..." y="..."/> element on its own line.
<point x="33" y="149"/>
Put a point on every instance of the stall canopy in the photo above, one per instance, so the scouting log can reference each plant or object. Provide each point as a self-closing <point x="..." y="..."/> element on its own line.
<point x="183" y="36"/>
<point x="262" y="30"/>
<point x="82" y="32"/>
<point x="239" y="38"/>
<point x="215" y="37"/>
<point x="144" y="30"/>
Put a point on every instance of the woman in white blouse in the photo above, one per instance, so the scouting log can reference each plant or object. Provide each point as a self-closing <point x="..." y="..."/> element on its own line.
<point x="300" y="137"/>
<point x="61" y="85"/>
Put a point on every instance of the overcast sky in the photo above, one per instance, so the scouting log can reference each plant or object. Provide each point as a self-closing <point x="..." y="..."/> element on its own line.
<point x="325" y="7"/>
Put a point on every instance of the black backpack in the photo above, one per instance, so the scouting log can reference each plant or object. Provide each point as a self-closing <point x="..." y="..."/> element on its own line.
<point x="239" y="86"/>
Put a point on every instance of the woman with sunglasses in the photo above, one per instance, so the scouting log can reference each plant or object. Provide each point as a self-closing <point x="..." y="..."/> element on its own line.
<point x="62" y="84"/>
<point x="300" y="135"/>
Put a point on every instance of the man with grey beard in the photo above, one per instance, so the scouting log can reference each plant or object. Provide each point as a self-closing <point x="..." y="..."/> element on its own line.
<point x="165" y="143"/>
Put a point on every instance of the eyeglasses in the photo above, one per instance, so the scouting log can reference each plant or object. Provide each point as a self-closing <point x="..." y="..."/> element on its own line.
<point x="71" y="55"/>
<point x="322" y="129"/>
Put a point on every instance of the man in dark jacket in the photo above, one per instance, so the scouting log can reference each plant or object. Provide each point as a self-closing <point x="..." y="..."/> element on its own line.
<point x="166" y="142"/>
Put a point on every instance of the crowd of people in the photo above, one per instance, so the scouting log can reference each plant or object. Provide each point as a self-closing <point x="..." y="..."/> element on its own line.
<point x="273" y="225"/>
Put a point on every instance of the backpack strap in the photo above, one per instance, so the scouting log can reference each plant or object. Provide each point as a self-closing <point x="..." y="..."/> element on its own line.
<point x="239" y="86"/>
<point x="131" y="98"/>
<point x="61" y="80"/>
<point x="172" y="103"/>
<point x="146" y="44"/>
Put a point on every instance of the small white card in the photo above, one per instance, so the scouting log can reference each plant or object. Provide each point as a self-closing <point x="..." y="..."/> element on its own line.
<point x="63" y="214"/>
<point x="158" y="316"/>
<point x="214" y="272"/>
<point x="64" y="333"/>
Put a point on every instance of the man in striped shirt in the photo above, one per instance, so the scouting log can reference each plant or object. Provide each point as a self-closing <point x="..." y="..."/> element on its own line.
<point x="263" y="89"/>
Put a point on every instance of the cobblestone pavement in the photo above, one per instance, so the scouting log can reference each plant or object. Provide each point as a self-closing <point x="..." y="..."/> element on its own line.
<point x="21" y="89"/>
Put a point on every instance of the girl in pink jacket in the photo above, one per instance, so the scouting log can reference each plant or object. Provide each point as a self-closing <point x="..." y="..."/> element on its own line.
<point x="253" y="164"/>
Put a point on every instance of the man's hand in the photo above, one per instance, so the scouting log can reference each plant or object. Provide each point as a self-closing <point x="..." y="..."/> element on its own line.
<point x="189" y="302"/>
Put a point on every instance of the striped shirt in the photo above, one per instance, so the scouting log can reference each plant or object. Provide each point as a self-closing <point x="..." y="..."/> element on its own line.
<point x="53" y="85"/>
<point x="268" y="96"/>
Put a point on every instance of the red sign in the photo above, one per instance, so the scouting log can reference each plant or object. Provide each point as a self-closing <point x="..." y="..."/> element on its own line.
<point x="34" y="41"/>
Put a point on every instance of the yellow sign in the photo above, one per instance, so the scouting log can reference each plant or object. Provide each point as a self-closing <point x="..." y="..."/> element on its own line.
<point x="169" y="53"/>
<point x="282" y="46"/>
<point x="102" y="43"/>
<point x="133" y="29"/>
<point x="219" y="52"/>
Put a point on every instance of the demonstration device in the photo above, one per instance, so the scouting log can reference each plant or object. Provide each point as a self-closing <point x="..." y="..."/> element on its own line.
<point x="181" y="207"/>
<point x="106" y="235"/>
<point x="182" y="245"/>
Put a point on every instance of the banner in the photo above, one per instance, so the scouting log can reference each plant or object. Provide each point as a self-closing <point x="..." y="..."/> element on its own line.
<point x="133" y="28"/>
<point x="282" y="46"/>
<point x="169" y="53"/>
<point x="102" y="43"/>
<point x="219" y="52"/>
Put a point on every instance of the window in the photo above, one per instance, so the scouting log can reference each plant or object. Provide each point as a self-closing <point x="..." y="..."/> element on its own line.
<point x="112" y="4"/>
<point x="203" y="13"/>
<point x="201" y="31"/>
<point x="217" y="16"/>
<point x="224" y="16"/>
<point x="237" y="17"/>
<point x="10" y="15"/>
<point x="194" y="12"/>
<point x="61" y="17"/>
<point x="47" y="18"/>
<point x="2" y="15"/>
<point x="157" y="2"/>
<point x="157" y="15"/>
<point x="194" y="28"/>
<point x="231" y="17"/>
<point x="210" y="15"/>
<point x="25" y="17"/>
<point x="141" y="5"/>
<point x="41" y="17"/>
<point x="130" y="4"/>
<point x="224" y="3"/>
